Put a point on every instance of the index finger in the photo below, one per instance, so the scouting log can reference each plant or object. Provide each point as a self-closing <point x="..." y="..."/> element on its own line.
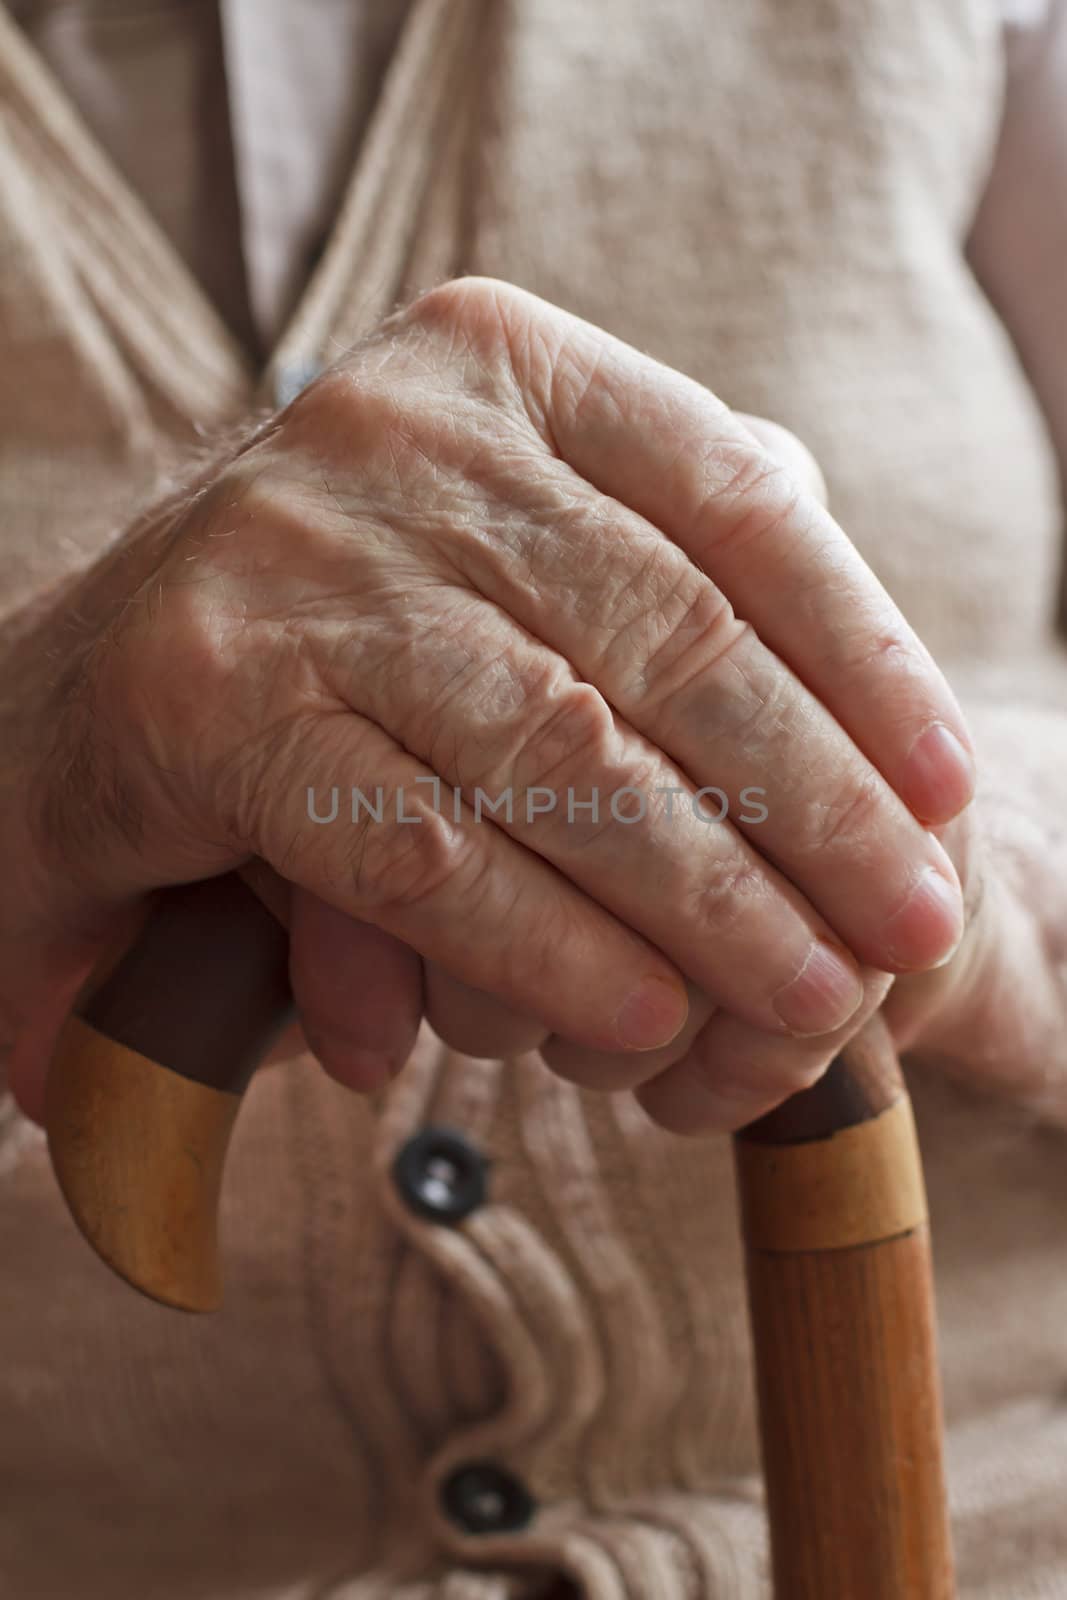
<point x="668" y="448"/>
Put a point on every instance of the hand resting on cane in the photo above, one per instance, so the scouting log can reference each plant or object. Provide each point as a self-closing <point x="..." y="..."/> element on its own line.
<point x="497" y="546"/>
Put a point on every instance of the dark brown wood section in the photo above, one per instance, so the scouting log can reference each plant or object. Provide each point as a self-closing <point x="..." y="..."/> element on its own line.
<point x="204" y="988"/>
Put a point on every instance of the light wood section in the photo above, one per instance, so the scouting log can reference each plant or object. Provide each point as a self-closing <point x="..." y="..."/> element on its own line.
<point x="841" y="1295"/>
<point x="850" y="1418"/>
<point x="859" y="1185"/>
<point x="139" y="1152"/>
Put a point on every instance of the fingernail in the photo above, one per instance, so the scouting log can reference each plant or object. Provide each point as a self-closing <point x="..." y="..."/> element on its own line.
<point x="362" y="1070"/>
<point x="939" y="776"/>
<point x="927" y="929"/>
<point x="652" y="1014"/>
<point x="824" y="994"/>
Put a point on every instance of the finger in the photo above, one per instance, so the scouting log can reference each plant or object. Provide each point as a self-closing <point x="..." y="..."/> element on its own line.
<point x="462" y="895"/>
<point x="789" y="452"/>
<point x="269" y="886"/>
<point x="477" y="1023"/>
<point x="604" y="588"/>
<point x="47" y="969"/>
<point x="358" y="990"/>
<point x="293" y="1043"/>
<point x="507" y="720"/>
<point x="732" y="1074"/>
<point x="612" y="1070"/>
<point x="660" y="443"/>
<point x="601" y="587"/>
<point x="363" y="992"/>
<point x="29" y="1052"/>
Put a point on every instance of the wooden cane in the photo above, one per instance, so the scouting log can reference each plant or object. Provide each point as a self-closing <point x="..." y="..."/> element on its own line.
<point x="841" y="1299"/>
<point x="143" y="1093"/>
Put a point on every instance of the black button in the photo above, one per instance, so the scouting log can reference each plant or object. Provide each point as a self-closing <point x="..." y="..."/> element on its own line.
<point x="440" y="1174"/>
<point x="484" y="1498"/>
<point x="291" y="377"/>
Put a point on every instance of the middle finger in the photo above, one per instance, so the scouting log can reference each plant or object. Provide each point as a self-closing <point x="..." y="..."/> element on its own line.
<point x="664" y="647"/>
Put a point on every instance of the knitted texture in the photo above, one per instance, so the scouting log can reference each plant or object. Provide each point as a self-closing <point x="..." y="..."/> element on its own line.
<point x="771" y="196"/>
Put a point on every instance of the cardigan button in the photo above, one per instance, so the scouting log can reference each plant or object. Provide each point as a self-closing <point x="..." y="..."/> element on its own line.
<point x="483" y="1497"/>
<point x="441" y="1174"/>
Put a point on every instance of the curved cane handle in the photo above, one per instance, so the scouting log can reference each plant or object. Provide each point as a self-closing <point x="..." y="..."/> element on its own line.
<point x="146" y="1082"/>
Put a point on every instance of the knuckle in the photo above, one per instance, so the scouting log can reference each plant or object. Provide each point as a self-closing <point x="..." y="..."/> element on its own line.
<point x="581" y="381"/>
<point x="745" y="496"/>
<point x="884" y="649"/>
<point x="762" y="706"/>
<point x="791" y="451"/>
<point x="852" y="815"/>
<point x="552" y="724"/>
<point x="728" y="889"/>
<point x="475" y="307"/>
<point x="738" y="469"/>
<point x="575" y="741"/>
<point x="650" y="605"/>
<point x="693" y="650"/>
<point x="577" y="725"/>
<point x="432" y="369"/>
<point x="400" y="868"/>
<point x="495" y="336"/>
<point x="565" y="741"/>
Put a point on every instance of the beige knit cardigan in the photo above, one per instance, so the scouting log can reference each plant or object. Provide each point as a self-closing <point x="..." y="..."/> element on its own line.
<point x="770" y="195"/>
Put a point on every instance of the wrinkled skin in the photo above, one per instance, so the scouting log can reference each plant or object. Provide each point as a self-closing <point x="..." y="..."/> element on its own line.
<point x="496" y="545"/>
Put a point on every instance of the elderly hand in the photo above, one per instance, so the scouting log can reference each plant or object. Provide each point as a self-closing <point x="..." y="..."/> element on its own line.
<point x="496" y="546"/>
<point x="718" y="1074"/>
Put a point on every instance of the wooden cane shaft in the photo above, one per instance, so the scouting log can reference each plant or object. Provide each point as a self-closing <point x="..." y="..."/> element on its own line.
<point x="851" y="1422"/>
<point x="840" y="1289"/>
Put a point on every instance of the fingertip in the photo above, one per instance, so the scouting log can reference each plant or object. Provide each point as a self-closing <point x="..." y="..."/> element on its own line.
<point x="34" y="1046"/>
<point x="363" y="1071"/>
<point x="683" y="1101"/>
<point x="358" y="991"/>
<point x="927" y="929"/>
<point x="823" y="995"/>
<point x="28" y="1093"/>
<point x="652" y="1014"/>
<point x="940" y="775"/>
